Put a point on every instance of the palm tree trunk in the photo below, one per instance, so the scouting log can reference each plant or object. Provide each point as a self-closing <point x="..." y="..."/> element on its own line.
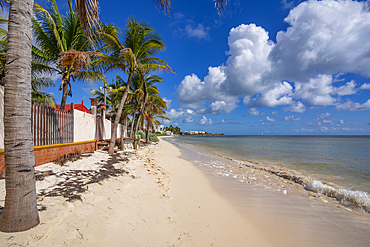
<point x="137" y="124"/>
<point x="20" y="211"/>
<point x="133" y="121"/>
<point x="119" y="112"/>
<point x="145" y="90"/>
<point x="147" y="131"/>
<point x="124" y="125"/>
<point x="64" y="95"/>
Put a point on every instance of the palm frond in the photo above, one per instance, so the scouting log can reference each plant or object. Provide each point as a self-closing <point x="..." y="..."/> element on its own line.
<point x="220" y="5"/>
<point x="88" y="11"/>
<point x="163" y="5"/>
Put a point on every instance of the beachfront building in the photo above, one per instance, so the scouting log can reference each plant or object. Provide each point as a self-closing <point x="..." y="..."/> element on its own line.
<point x="193" y="132"/>
<point x="159" y="128"/>
<point x="169" y="133"/>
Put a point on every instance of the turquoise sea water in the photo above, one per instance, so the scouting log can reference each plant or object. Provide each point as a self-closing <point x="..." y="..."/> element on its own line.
<point x="340" y="160"/>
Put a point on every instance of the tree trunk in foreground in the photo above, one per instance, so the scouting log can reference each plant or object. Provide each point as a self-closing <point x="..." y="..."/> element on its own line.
<point x="112" y="143"/>
<point x="20" y="211"/>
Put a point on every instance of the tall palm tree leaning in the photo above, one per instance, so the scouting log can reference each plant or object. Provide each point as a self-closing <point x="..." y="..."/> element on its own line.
<point x="135" y="53"/>
<point x="20" y="209"/>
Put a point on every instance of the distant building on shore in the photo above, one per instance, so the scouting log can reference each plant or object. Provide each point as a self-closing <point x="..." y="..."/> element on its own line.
<point x="195" y="132"/>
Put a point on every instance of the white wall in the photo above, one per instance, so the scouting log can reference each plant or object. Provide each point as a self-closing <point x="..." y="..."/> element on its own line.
<point x="107" y="129"/>
<point x="84" y="126"/>
<point x="1" y="117"/>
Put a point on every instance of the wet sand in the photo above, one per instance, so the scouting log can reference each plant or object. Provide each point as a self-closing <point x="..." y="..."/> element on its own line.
<point x="283" y="210"/>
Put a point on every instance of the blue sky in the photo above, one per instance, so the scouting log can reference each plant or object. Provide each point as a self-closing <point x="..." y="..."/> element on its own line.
<point x="269" y="66"/>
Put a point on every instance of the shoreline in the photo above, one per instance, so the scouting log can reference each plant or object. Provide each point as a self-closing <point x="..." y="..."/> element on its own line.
<point x="317" y="218"/>
<point x="162" y="199"/>
<point x="351" y="198"/>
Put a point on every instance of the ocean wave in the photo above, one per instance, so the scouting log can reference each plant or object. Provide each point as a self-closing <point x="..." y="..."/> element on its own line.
<point x="356" y="198"/>
<point x="360" y="199"/>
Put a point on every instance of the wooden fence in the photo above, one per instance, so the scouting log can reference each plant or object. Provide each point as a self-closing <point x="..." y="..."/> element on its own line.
<point x="51" y="126"/>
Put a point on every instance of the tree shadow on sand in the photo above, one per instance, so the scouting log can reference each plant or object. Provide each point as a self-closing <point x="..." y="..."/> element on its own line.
<point x="76" y="181"/>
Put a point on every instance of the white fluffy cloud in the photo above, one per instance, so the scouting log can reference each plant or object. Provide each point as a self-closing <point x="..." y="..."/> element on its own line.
<point x="347" y="89"/>
<point x="270" y="119"/>
<point x="296" y="107"/>
<point x="222" y="107"/>
<point x="291" y="118"/>
<point x="324" y="38"/>
<point x="354" y="106"/>
<point x="255" y="112"/>
<point x="324" y="115"/>
<point x="205" y="121"/>
<point x="181" y="113"/>
<point x="365" y="86"/>
<point x="188" y="120"/>
<point x="168" y="102"/>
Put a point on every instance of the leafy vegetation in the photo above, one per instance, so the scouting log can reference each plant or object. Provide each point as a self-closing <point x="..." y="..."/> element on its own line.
<point x="176" y="130"/>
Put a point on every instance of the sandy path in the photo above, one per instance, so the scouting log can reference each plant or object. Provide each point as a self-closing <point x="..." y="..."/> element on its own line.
<point x="162" y="201"/>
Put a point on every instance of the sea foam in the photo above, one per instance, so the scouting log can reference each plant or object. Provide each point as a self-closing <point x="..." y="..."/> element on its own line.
<point x="360" y="199"/>
<point x="356" y="198"/>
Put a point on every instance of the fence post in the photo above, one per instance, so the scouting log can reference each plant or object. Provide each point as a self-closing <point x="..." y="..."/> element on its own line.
<point x="122" y="143"/>
<point x="72" y="138"/>
<point x="137" y="141"/>
<point x="102" y="111"/>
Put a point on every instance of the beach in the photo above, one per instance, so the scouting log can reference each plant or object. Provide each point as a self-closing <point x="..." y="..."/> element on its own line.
<point x="155" y="197"/>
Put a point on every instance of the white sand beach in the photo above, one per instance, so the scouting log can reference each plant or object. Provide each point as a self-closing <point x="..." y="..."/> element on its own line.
<point x="162" y="200"/>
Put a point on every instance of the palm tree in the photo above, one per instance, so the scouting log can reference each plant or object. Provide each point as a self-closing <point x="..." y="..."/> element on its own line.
<point x="154" y="111"/>
<point x="63" y="47"/>
<point x="114" y="93"/>
<point x="152" y="105"/>
<point x="145" y="87"/>
<point x="134" y="53"/>
<point x="20" y="209"/>
<point x="134" y="104"/>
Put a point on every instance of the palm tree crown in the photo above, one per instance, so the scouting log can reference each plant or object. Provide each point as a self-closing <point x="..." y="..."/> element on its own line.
<point x="62" y="47"/>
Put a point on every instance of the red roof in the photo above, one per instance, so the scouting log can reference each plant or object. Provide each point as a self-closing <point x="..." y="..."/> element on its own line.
<point x="79" y="107"/>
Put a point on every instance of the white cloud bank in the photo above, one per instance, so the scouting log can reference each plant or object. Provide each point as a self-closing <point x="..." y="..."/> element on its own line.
<point x="324" y="39"/>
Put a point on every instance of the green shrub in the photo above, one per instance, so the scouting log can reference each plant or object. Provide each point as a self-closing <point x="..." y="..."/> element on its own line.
<point x="141" y="133"/>
<point x="160" y="134"/>
<point x="153" y="137"/>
